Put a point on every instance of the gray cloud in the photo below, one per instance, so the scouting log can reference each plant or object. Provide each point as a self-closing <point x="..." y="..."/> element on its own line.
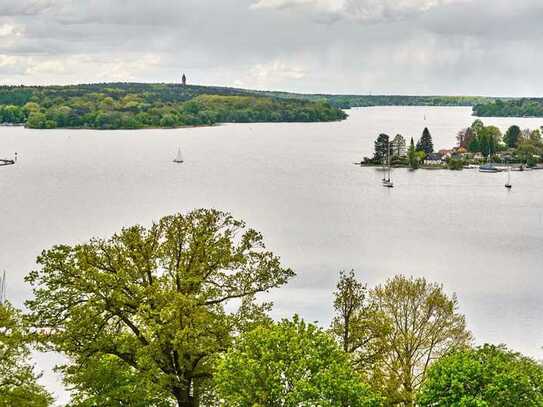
<point x="382" y="46"/>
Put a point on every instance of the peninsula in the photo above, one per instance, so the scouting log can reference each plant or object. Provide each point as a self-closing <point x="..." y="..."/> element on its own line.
<point x="139" y="105"/>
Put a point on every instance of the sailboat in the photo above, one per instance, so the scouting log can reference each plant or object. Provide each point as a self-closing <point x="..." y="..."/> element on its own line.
<point x="387" y="182"/>
<point x="508" y="183"/>
<point x="179" y="158"/>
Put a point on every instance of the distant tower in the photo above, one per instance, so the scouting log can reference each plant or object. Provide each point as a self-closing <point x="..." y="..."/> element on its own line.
<point x="184" y="80"/>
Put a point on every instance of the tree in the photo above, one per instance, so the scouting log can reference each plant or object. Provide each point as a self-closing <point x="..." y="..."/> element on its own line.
<point x="487" y="376"/>
<point x="398" y="146"/>
<point x="18" y="381"/>
<point x="465" y="137"/>
<point x="289" y="364"/>
<point x="425" y="143"/>
<point x="476" y="126"/>
<point x="424" y="325"/>
<point x="381" y="145"/>
<point x="489" y="138"/>
<point x="355" y="324"/>
<point x="156" y="298"/>
<point x="106" y="381"/>
<point x="412" y="156"/>
<point x="512" y="136"/>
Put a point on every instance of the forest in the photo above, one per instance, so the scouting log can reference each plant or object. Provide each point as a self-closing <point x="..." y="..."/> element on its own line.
<point x="349" y="101"/>
<point x="532" y="107"/>
<point x="134" y="105"/>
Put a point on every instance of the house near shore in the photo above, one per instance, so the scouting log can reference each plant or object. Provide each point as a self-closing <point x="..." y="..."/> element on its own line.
<point x="445" y="154"/>
<point x="433" y="159"/>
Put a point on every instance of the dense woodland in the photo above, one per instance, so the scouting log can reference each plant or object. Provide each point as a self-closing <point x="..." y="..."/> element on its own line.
<point x="510" y="108"/>
<point x="348" y="101"/>
<point x="167" y="315"/>
<point x="134" y="105"/>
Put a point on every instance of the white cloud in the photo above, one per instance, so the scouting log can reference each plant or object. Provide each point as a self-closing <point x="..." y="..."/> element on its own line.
<point x="25" y="7"/>
<point x="358" y="10"/>
<point x="6" y="60"/>
<point x="276" y="71"/>
<point x="283" y="4"/>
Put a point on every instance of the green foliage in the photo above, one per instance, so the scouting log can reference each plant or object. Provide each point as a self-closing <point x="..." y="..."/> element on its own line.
<point x="512" y="136"/>
<point x="425" y="143"/>
<point x="18" y="381"/>
<point x="356" y="324"/>
<point x="289" y="364"/>
<point x="398" y="146"/>
<point x="157" y="298"/>
<point x="133" y="106"/>
<point x="107" y="381"/>
<point x="412" y="156"/>
<point x="455" y="164"/>
<point x="510" y="108"/>
<point x="489" y="137"/>
<point x="348" y="101"/>
<point x="423" y="324"/>
<point x="483" y="377"/>
<point x="381" y="144"/>
<point x="482" y="139"/>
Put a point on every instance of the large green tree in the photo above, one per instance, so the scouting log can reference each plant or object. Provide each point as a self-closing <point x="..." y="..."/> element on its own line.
<point x="512" y="136"/>
<point x="290" y="364"/>
<point x="18" y="381"/>
<point x="483" y="377"/>
<point x="424" y="324"/>
<point x="425" y="143"/>
<point x="162" y="299"/>
<point x="489" y="139"/>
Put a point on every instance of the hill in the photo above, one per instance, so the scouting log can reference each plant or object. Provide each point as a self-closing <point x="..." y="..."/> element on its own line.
<point x="139" y="105"/>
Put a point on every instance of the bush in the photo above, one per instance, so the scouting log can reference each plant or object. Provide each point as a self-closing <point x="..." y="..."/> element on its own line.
<point x="455" y="164"/>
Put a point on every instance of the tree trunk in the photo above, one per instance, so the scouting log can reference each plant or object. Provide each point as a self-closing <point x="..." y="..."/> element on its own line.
<point x="183" y="397"/>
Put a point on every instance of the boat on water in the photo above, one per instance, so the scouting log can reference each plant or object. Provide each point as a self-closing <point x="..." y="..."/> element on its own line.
<point x="179" y="157"/>
<point x="7" y="161"/>
<point x="488" y="167"/>
<point x="387" y="182"/>
<point x="508" y="182"/>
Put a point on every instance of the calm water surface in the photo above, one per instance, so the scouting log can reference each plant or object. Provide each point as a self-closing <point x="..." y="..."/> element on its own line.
<point x="296" y="184"/>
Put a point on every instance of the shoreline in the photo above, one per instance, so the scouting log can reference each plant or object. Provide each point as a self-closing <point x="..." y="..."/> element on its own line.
<point x="501" y="168"/>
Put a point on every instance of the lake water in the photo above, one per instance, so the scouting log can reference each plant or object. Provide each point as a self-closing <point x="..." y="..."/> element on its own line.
<point x="297" y="185"/>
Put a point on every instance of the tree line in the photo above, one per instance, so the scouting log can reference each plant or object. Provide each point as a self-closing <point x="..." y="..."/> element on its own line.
<point x="525" y="107"/>
<point x="168" y="315"/>
<point x="133" y="106"/>
<point x="516" y="145"/>
<point x="397" y="153"/>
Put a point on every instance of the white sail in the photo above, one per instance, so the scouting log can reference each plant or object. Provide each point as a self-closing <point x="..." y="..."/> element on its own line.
<point x="179" y="157"/>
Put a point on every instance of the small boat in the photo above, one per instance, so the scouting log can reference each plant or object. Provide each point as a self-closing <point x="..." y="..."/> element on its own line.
<point x="488" y="167"/>
<point x="508" y="183"/>
<point x="179" y="158"/>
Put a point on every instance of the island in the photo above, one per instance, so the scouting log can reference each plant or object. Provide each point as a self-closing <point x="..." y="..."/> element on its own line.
<point x="477" y="146"/>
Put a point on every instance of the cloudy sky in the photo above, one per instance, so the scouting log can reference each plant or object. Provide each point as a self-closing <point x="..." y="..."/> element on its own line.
<point x="486" y="47"/>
